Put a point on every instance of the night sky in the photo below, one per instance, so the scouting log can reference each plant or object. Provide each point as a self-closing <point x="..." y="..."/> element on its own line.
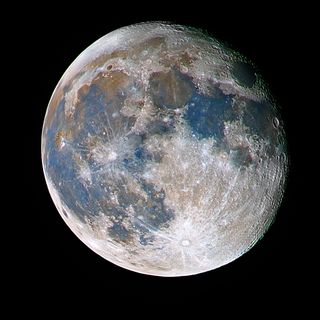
<point x="53" y="259"/>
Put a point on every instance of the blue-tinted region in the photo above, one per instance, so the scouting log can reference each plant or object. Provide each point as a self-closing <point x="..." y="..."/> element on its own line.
<point x="206" y="114"/>
<point x="136" y="161"/>
<point x="258" y="118"/>
<point x="155" y="212"/>
<point x="146" y="239"/>
<point x="64" y="176"/>
<point x="140" y="152"/>
<point x="119" y="232"/>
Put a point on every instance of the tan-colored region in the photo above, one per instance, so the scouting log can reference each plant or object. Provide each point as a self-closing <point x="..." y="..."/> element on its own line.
<point x="112" y="83"/>
<point x="175" y="92"/>
<point x="61" y="138"/>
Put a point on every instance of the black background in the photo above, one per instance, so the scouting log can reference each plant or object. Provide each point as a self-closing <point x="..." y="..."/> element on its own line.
<point x="54" y="260"/>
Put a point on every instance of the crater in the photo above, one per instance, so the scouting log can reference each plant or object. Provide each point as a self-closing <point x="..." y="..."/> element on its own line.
<point x="275" y="122"/>
<point x="65" y="213"/>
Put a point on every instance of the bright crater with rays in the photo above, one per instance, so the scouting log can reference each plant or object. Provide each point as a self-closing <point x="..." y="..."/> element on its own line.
<point x="163" y="150"/>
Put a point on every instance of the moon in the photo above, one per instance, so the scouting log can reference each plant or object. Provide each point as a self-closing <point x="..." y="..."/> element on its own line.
<point x="164" y="151"/>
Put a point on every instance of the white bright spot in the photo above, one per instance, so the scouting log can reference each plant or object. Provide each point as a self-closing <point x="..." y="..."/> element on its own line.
<point x="112" y="156"/>
<point x="185" y="243"/>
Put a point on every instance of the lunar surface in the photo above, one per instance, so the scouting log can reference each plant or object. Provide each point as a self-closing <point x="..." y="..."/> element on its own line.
<point x="164" y="151"/>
